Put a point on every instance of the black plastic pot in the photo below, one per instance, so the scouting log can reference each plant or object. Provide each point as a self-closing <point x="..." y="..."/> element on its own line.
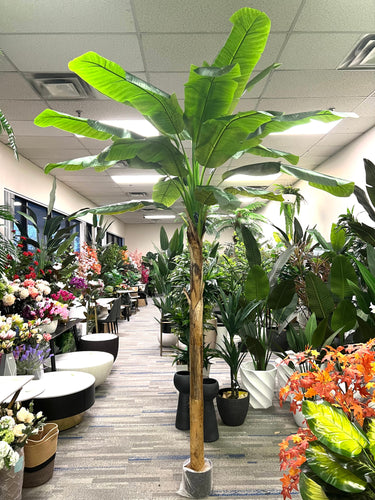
<point x="232" y="411"/>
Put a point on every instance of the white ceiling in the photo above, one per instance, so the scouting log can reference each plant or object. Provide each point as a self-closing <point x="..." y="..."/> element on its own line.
<point x="158" y="40"/>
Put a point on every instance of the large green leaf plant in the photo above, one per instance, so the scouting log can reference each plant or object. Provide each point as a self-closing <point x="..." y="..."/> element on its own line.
<point x="214" y="132"/>
<point x="340" y="463"/>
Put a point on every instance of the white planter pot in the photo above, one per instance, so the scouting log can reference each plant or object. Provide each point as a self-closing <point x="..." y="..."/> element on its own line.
<point x="168" y="339"/>
<point x="50" y="327"/>
<point x="8" y="365"/>
<point x="210" y="334"/>
<point x="222" y="333"/>
<point x="260" y="384"/>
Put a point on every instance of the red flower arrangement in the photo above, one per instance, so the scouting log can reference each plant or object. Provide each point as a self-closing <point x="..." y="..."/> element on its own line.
<point x="342" y="376"/>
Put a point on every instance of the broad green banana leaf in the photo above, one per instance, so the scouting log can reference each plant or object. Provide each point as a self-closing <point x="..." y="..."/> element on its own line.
<point x="338" y="238"/>
<point x="160" y="108"/>
<point x="116" y="208"/>
<point x="333" y="428"/>
<point x="319" y="297"/>
<point x="257" y="286"/>
<point x="342" y="270"/>
<point x="344" y="317"/>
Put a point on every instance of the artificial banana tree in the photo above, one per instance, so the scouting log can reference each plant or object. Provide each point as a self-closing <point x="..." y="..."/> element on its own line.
<point x="216" y="134"/>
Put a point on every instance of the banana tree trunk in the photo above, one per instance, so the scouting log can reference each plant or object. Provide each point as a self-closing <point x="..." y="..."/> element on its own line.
<point x="196" y="350"/>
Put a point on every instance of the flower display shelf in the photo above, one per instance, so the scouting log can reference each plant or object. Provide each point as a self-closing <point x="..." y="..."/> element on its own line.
<point x="66" y="396"/>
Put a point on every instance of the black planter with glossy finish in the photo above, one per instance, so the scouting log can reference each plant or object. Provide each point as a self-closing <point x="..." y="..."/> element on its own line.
<point x="232" y="411"/>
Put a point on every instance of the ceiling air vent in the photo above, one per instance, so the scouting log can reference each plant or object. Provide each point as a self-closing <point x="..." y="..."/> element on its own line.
<point x="60" y="86"/>
<point x="362" y="56"/>
<point x="137" y="193"/>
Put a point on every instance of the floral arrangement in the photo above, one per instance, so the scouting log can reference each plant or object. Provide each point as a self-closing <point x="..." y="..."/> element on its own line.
<point x="88" y="261"/>
<point x="145" y="274"/>
<point x="27" y="265"/>
<point x="15" y="294"/>
<point x="14" y="331"/>
<point x="63" y="296"/>
<point x="47" y="311"/>
<point x="341" y="376"/>
<point x="29" y="358"/>
<point x="136" y="257"/>
<point x="16" y="425"/>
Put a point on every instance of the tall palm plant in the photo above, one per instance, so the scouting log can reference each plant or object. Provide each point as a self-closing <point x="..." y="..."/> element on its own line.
<point x="215" y="135"/>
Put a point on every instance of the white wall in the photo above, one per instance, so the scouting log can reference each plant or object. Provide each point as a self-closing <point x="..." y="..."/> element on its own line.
<point x="322" y="209"/>
<point x="29" y="181"/>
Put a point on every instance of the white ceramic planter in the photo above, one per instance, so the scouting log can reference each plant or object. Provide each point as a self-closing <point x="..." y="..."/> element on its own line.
<point x="260" y="384"/>
<point x="222" y="333"/>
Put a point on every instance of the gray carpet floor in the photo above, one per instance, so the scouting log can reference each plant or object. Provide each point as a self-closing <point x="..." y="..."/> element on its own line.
<point x="127" y="446"/>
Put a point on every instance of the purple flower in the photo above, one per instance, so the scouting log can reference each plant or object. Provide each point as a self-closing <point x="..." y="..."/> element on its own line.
<point x="78" y="283"/>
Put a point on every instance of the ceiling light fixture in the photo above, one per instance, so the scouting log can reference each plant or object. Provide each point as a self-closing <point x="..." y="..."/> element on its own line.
<point x="314" y="127"/>
<point x="141" y="127"/>
<point x="136" y="179"/>
<point x="161" y="216"/>
<point x="243" y="179"/>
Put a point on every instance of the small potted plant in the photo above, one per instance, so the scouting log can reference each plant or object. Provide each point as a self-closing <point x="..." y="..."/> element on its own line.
<point x="233" y="401"/>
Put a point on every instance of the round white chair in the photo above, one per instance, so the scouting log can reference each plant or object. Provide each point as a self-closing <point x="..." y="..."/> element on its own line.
<point x="96" y="363"/>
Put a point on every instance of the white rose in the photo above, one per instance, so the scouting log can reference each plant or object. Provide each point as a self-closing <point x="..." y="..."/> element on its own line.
<point x="24" y="293"/>
<point x="24" y="415"/>
<point x="13" y="458"/>
<point x="8" y="299"/>
<point x="18" y="430"/>
<point x="7" y="421"/>
<point x="4" y="449"/>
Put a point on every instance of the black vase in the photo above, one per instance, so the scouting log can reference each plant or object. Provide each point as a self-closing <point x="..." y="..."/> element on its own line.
<point x="181" y="381"/>
<point x="232" y="411"/>
<point x="210" y="391"/>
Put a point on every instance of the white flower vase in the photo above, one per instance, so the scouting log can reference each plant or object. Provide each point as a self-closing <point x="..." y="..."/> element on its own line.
<point x="259" y="383"/>
<point x="11" y="480"/>
<point x="50" y="328"/>
<point x="8" y="365"/>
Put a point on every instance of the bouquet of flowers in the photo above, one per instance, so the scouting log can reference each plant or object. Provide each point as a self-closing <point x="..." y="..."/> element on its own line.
<point x="47" y="310"/>
<point x="29" y="359"/>
<point x="14" y="331"/>
<point x="15" y="295"/>
<point x="16" y="425"/>
<point x="63" y="296"/>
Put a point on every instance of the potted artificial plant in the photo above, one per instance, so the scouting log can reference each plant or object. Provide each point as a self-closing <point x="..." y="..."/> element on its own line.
<point x="215" y="133"/>
<point x="233" y="401"/>
<point x="263" y="290"/>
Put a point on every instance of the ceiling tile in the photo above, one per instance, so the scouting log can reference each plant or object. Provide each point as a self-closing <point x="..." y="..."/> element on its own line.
<point x="85" y="16"/>
<point x="33" y="52"/>
<point x="68" y="142"/>
<point x="317" y="50"/>
<point x="330" y="15"/>
<point x="317" y="83"/>
<point x="99" y="110"/>
<point x="366" y="108"/>
<point x="14" y="86"/>
<point x="295" y="105"/>
<point x="202" y="16"/>
<point x="20" y="109"/>
<point x="355" y="125"/>
<point x="27" y="128"/>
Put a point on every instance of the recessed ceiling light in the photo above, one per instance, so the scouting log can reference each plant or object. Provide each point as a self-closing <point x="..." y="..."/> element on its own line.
<point x="161" y="216"/>
<point x="314" y="127"/>
<point x="242" y="178"/>
<point x="141" y="127"/>
<point x="136" y="179"/>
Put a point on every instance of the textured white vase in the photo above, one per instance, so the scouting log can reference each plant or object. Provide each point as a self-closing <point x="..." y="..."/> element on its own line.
<point x="8" y="365"/>
<point x="222" y="332"/>
<point x="260" y="384"/>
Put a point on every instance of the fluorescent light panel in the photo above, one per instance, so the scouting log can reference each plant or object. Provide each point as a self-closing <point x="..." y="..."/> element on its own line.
<point x="242" y="178"/>
<point x="314" y="127"/>
<point x="164" y="216"/>
<point x="136" y="179"/>
<point x="142" y="127"/>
